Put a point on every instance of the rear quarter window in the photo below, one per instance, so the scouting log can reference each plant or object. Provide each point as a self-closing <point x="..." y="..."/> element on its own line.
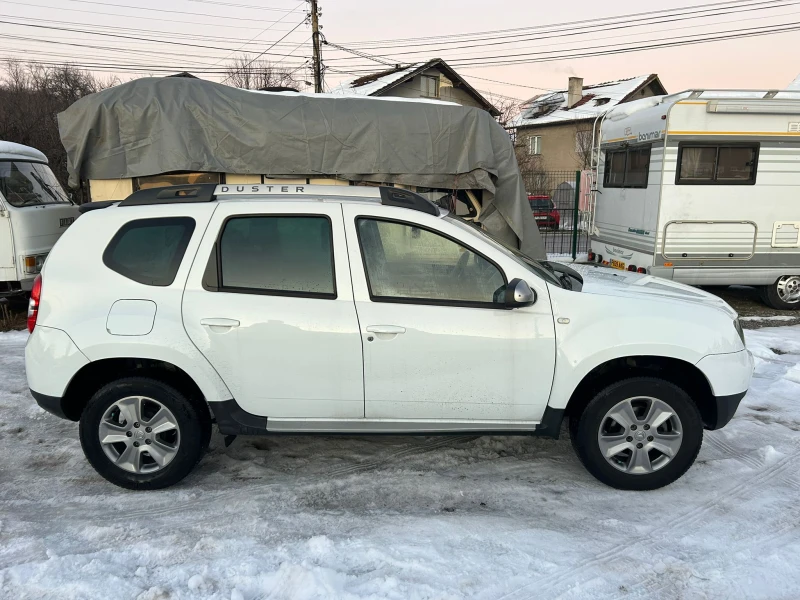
<point x="150" y="251"/>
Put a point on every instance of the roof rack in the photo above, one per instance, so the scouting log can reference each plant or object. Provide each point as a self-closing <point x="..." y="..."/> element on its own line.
<point x="208" y="192"/>
<point x="202" y="192"/>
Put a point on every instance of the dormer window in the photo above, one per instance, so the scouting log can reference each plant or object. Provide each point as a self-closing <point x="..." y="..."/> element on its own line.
<point x="601" y="101"/>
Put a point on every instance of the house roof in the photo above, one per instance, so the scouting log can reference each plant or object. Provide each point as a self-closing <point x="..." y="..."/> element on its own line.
<point x="551" y="108"/>
<point x="376" y="84"/>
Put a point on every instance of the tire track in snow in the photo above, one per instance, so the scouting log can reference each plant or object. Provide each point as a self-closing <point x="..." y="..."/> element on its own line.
<point x="172" y="507"/>
<point x="546" y="584"/>
<point x="745" y="458"/>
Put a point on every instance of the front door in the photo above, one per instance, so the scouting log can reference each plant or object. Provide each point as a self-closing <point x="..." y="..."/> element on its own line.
<point x="269" y="303"/>
<point x="438" y="343"/>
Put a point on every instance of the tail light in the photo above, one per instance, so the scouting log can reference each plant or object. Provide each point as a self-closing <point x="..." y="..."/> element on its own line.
<point x="33" y="305"/>
<point x="591" y="257"/>
<point x="641" y="270"/>
<point x="599" y="258"/>
<point x="632" y="268"/>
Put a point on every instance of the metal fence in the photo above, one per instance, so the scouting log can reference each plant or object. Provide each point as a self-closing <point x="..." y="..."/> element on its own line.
<point x="561" y="210"/>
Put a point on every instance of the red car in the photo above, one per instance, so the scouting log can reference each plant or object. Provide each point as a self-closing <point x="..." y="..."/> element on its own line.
<point x="545" y="212"/>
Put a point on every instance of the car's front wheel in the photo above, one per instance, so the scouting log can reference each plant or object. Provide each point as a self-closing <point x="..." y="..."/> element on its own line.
<point x="140" y="433"/>
<point x="638" y="434"/>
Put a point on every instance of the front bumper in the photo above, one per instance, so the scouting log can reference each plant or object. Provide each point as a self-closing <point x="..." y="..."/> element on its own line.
<point x="729" y="376"/>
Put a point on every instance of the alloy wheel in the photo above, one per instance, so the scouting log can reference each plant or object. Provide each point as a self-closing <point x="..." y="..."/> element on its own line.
<point x="640" y="435"/>
<point x="139" y="434"/>
<point x="788" y="288"/>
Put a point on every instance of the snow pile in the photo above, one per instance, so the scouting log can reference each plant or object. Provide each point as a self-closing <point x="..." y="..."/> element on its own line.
<point x="406" y="517"/>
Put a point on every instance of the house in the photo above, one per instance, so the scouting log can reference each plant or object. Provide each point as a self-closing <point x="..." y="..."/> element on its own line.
<point x="433" y="79"/>
<point x="556" y="128"/>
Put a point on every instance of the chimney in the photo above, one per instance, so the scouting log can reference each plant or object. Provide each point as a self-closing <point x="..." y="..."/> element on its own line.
<point x="574" y="91"/>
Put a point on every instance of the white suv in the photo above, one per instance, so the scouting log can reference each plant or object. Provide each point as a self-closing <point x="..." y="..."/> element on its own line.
<point x="362" y="310"/>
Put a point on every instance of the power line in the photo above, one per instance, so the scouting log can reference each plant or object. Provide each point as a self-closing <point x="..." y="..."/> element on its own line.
<point x="613" y="27"/>
<point x="267" y="50"/>
<point x="591" y="22"/>
<point x="262" y="32"/>
<point x="231" y="4"/>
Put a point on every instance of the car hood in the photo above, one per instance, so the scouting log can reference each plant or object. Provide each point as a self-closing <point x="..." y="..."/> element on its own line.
<point x="609" y="282"/>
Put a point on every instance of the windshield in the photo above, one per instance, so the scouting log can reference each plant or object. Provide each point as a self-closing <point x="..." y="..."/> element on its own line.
<point x="29" y="184"/>
<point x="531" y="264"/>
<point x="541" y="203"/>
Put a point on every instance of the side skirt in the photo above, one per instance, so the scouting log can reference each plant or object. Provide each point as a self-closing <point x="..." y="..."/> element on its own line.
<point x="232" y="420"/>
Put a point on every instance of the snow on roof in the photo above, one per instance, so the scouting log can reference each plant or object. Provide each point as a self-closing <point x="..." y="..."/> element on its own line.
<point x="597" y="99"/>
<point x="368" y="85"/>
<point x="11" y="150"/>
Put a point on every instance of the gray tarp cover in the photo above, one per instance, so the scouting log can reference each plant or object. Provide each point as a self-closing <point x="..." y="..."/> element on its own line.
<point x="157" y="125"/>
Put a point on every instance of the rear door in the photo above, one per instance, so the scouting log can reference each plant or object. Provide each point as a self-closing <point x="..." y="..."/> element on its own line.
<point x="269" y="302"/>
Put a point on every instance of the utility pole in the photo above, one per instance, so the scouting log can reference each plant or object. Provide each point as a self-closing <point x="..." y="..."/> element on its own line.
<point x="315" y="36"/>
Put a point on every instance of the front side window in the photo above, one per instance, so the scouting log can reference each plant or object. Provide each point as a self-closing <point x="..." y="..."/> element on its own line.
<point x="168" y="179"/>
<point x="30" y="184"/>
<point x="279" y="255"/>
<point x="407" y="263"/>
<point x="627" y="168"/>
<point x="717" y="164"/>
<point x="150" y="251"/>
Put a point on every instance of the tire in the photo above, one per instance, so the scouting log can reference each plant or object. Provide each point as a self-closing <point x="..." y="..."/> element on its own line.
<point x="780" y="295"/>
<point x="180" y="443"/>
<point x="686" y="432"/>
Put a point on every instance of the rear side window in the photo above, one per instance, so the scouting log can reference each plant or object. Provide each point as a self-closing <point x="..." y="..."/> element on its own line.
<point x="150" y="251"/>
<point x="284" y="255"/>
<point x="717" y="164"/>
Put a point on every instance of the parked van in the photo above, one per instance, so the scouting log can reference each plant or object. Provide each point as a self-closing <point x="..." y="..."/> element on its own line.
<point x="702" y="188"/>
<point x="34" y="212"/>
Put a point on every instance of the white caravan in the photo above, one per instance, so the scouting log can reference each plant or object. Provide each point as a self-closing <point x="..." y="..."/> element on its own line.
<point x="703" y="187"/>
<point x="34" y="212"/>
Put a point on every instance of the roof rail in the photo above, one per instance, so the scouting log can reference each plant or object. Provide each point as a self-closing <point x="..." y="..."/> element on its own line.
<point x="202" y="192"/>
<point x="205" y="192"/>
<point x="405" y="199"/>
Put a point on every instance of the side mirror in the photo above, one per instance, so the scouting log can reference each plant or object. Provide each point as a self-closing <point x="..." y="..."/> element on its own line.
<point x="519" y="294"/>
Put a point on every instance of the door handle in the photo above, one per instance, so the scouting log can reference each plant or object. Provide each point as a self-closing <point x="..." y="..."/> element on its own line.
<point x="393" y="329"/>
<point x="216" y="324"/>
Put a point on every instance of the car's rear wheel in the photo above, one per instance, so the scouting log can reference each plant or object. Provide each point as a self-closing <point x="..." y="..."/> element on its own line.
<point x="638" y="434"/>
<point x="140" y="433"/>
<point x="784" y="294"/>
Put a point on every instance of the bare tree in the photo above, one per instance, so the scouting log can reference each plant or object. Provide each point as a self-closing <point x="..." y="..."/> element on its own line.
<point x="583" y="146"/>
<point x="31" y="95"/>
<point x="531" y="167"/>
<point x="243" y="72"/>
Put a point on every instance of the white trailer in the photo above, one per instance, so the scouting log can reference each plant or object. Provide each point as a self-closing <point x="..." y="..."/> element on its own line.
<point x="34" y="212"/>
<point x="703" y="187"/>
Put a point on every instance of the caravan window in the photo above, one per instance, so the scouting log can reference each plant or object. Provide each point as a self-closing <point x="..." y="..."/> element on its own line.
<point x="627" y="168"/>
<point x="716" y="164"/>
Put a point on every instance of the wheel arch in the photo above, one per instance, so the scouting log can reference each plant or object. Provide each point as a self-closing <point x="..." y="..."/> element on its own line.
<point x="681" y="373"/>
<point x="96" y="374"/>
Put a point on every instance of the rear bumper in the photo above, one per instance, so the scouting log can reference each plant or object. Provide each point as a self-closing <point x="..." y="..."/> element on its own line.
<point x="51" y="404"/>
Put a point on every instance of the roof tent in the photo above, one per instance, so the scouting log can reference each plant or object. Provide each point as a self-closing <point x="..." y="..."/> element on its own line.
<point x="159" y="125"/>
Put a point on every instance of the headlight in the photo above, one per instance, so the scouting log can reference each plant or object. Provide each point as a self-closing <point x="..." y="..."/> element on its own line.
<point x="739" y="330"/>
<point x="33" y="264"/>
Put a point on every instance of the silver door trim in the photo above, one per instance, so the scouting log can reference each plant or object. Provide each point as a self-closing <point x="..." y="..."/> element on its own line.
<point x="397" y="426"/>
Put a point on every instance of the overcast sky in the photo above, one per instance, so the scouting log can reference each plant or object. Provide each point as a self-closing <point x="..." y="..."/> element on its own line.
<point x="756" y="62"/>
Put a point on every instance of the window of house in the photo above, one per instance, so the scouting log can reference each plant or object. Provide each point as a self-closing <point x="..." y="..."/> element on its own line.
<point x="535" y="144"/>
<point x="627" y="168"/>
<point x="149" y="251"/>
<point x="717" y="164"/>
<point x="168" y="179"/>
<point x="406" y="263"/>
<point x="279" y="255"/>
<point x="430" y="86"/>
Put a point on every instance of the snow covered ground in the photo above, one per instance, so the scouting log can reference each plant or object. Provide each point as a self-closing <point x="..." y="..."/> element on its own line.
<point x="406" y="517"/>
